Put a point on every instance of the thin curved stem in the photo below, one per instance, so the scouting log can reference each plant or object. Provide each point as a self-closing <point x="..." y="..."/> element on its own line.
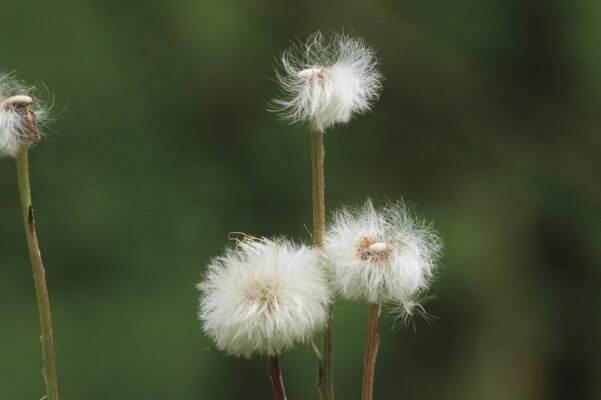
<point x="372" y="342"/>
<point x="325" y="380"/>
<point x="275" y="373"/>
<point x="39" y="276"/>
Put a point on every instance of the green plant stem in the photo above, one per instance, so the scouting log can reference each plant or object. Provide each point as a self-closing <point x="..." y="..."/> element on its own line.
<point x="372" y="342"/>
<point x="325" y="380"/>
<point x="39" y="276"/>
<point x="275" y="373"/>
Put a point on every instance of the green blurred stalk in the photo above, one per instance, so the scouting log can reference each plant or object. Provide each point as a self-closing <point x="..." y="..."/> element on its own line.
<point x="372" y="343"/>
<point x="39" y="276"/>
<point x="325" y="380"/>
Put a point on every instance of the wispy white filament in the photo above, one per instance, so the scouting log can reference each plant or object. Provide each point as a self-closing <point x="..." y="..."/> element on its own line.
<point x="380" y="255"/>
<point x="327" y="79"/>
<point x="15" y="103"/>
<point x="263" y="296"/>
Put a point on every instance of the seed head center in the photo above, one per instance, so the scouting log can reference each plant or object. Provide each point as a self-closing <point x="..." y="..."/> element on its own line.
<point x="318" y="72"/>
<point x="370" y="249"/>
<point x="263" y="292"/>
<point x="22" y="105"/>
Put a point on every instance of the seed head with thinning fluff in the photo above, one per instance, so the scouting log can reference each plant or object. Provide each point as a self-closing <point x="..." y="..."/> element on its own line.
<point x="380" y="254"/>
<point x="20" y="115"/>
<point x="327" y="79"/>
<point x="263" y="296"/>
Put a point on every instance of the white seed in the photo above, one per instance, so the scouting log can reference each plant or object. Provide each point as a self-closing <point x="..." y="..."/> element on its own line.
<point x="378" y="246"/>
<point x="19" y="99"/>
<point x="309" y="72"/>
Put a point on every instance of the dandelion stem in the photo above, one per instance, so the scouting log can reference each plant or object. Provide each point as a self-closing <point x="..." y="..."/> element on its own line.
<point x="275" y="373"/>
<point x="39" y="276"/>
<point x="326" y="377"/>
<point x="372" y="342"/>
<point x="319" y="212"/>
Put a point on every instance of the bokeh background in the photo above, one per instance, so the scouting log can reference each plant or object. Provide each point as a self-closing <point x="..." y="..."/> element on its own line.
<point x="489" y="126"/>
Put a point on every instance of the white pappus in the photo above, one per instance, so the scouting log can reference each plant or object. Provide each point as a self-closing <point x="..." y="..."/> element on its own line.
<point x="20" y="115"/>
<point x="327" y="79"/>
<point x="380" y="255"/>
<point x="263" y="296"/>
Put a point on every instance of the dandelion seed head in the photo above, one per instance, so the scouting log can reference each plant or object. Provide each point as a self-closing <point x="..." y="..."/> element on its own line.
<point x="327" y="80"/>
<point x="20" y="115"/>
<point x="263" y="296"/>
<point x="380" y="255"/>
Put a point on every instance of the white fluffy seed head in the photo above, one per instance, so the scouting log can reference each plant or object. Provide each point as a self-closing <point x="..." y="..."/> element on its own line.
<point x="380" y="255"/>
<point x="327" y="80"/>
<point x="20" y="116"/>
<point x="263" y="296"/>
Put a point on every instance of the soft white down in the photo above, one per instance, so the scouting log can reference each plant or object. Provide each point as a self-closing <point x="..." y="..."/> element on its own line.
<point x="327" y="80"/>
<point x="380" y="255"/>
<point x="263" y="296"/>
<point x="15" y="109"/>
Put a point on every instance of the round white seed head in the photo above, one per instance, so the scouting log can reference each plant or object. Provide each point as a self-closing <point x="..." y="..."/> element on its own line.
<point x="327" y="79"/>
<point x="19" y="116"/>
<point x="263" y="296"/>
<point x="380" y="255"/>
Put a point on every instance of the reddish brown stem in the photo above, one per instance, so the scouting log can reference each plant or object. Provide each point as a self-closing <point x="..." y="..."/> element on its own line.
<point x="372" y="342"/>
<point x="275" y="373"/>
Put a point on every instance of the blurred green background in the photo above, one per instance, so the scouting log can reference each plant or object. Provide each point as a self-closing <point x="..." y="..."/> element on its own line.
<point x="489" y="125"/>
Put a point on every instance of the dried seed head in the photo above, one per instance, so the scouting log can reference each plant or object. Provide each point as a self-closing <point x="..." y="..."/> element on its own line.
<point x="263" y="296"/>
<point x="22" y="106"/>
<point x="380" y="255"/>
<point x="327" y="80"/>
<point x="19" y="116"/>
